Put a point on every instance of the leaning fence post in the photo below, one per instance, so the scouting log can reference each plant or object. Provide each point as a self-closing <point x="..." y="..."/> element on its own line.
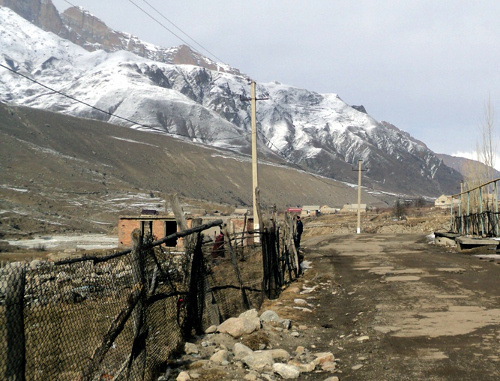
<point x="244" y="300"/>
<point x="137" y="363"/>
<point x="196" y="292"/>
<point x="14" y="322"/>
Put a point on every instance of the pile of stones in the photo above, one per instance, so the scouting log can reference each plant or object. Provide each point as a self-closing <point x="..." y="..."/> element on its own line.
<point x="222" y="355"/>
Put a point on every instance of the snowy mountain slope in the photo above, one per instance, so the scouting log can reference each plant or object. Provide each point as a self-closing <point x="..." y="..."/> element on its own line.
<point x="120" y="83"/>
<point x="316" y="131"/>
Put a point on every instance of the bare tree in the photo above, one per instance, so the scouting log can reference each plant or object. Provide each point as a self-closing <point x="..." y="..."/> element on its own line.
<point x="487" y="151"/>
<point x="482" y="171"/>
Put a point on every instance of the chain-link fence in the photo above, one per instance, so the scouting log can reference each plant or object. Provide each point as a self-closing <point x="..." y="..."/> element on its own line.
<point x="120" y="317"/>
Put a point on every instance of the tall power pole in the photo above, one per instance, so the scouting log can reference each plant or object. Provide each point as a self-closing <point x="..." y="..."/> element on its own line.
<point x="255" y="177"/>
<point x="359" y="170"/>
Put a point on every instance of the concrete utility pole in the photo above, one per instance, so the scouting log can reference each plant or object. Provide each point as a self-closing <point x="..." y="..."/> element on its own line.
<point x="255" y="177"/>
<point x="359" y="170"/>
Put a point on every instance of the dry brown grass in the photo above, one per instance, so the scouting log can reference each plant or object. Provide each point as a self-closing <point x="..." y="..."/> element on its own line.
<point x="421" y="220"/>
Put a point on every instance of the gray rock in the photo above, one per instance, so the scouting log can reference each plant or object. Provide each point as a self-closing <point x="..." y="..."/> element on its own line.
<point x="286" y="323"/>
<point x="183" y="376"/>
<point x="280" y="354"/>
<point x="35" y="263"/>
<point x="269" y="315"/>
<point x="259" y="360"/>
<point x="324" y="357"/>
<point x="190" y="348"/>
<point x="211" y="329"/>
<point x="288" y="372"/>
<point x="250" y="314"/>
<point x="220" y="357"/>
<point x="237" y="327"/>
<point x="241" y="350"/>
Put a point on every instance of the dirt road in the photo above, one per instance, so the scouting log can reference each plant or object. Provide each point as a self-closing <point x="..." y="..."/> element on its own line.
<point x="394" y="307"/>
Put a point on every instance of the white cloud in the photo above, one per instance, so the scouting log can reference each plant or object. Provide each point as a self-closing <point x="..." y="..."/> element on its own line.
<point x="473" y="156"/>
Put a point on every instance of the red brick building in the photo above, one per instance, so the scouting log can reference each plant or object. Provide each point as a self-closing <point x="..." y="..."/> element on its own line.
<point x="160" y="225"/>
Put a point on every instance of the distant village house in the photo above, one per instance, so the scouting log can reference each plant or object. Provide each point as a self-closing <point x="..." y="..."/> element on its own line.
<point x="310" y="211"/>
<point x="325" y="209"/>
<point x="444" y="202"/>
<point x="353" y="208"/>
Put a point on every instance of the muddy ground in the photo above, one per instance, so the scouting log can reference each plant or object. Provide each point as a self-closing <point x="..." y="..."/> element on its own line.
<point x="389" y="304"/>
<point x="399" y="308"/>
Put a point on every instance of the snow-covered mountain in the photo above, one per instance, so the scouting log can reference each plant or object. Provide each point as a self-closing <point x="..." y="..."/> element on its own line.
<point x="196" y="101"/>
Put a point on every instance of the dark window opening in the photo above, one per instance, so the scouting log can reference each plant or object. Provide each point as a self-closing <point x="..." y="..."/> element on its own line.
<point x="170" y="228"/>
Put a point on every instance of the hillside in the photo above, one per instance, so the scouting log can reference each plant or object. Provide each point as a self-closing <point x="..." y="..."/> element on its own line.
<point x="61" y="173"/>
<point x="462" y="165"/>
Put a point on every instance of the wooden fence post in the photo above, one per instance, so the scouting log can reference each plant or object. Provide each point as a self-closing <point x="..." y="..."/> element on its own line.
<point x="290" y="227"/>
<point x="196" y="295"/>
<point x="137" y="362"/>
<point x="244" y="300"/>
<point x="14" y="318"/>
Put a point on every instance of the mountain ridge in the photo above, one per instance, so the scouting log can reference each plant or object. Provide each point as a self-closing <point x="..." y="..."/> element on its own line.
<point x="62" y="173"/>
<point x="316" y="131"/>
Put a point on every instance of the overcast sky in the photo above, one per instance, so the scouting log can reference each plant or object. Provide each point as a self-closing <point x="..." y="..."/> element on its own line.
<point x="427" y="67"/>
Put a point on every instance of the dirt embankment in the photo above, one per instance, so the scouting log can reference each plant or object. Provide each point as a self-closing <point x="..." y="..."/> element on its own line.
<point x="416" y="221"/>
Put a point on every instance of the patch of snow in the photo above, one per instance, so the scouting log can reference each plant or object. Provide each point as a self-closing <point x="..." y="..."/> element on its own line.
<point x="86" y="242"/>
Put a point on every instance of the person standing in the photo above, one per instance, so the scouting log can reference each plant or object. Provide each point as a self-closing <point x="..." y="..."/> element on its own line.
<point x="218" y="249"/>
<point x="300" y="228"/>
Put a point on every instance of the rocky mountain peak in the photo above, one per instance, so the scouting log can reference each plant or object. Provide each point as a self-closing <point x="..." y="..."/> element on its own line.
<point x="88" y="31"/>
<point x="91" y="33"/>
<point x="392" y="127"/>
<point x="42" y="13"/>
<point x="360" y="108"/>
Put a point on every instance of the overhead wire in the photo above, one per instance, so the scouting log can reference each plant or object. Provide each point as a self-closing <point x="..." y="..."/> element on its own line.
<point x="172" y="32"/>
<point x="158" y="129"/>
<point x="154" y="128"/>
<point x="277" y="150"/>
<point x="279" y="153"/>
<point x="184" y="33"/>
<point x="66" y="1"/>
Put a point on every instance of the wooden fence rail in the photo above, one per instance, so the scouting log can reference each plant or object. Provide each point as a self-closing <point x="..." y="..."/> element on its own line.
<point x="140" y="292"/>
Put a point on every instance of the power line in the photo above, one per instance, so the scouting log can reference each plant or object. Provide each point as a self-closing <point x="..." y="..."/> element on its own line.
<point x="66" y="1"/>
<point x="187" y="35"/>
<point x="158" y="129"/>
<point x="172" y="32"/>
<point x="217" y="59"/>
<point x="154" y="128"/>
